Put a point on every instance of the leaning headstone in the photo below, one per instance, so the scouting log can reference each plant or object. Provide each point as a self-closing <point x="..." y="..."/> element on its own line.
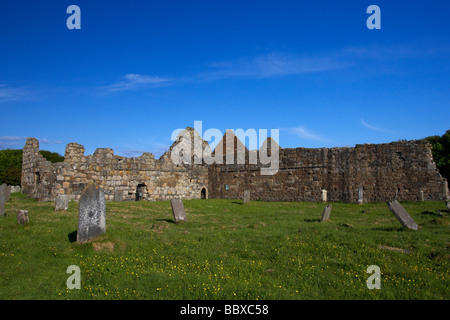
<point x="402" y="216"/>
<point x="178" y="210"/>
<point x="2" y="200"/>
<point x="118" y="195"/>
<point x="62" y="202"/>
<point x="246" y="196"/>
<point x="326" y="213"/>
<point x="91" y="213"/>
<point x="22" y="217"/>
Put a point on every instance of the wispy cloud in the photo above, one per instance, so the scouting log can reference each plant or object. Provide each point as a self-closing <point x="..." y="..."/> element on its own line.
<point x="18" y="141"/>
<point x="306" y="134"/>
<point x="8" y="93"/>
<point x="374" y="128"/>
<point x="133" y="81"/>
<point x="269" y="65"/>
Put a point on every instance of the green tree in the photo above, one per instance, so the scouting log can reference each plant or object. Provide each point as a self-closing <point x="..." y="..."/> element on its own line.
<point x="441" y="153"/>
<point x="11" y="164"/>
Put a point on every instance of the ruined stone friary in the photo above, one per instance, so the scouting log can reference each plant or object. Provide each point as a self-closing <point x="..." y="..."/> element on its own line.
<point x="402" y="170"/>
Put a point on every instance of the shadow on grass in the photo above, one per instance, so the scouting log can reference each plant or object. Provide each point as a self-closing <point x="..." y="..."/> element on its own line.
<point x="311" y="220"/>
<point x="166" y="220"/>
<point x="389" y="229"/>
<point x="72" y="236"/>
<point x="237" y="202"/>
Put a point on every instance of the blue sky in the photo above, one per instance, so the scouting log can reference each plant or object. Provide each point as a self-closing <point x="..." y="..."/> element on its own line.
<point x="138" y="70"/>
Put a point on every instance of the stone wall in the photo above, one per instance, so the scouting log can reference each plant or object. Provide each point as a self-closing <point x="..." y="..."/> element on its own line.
<point x="397" y="170"/>
<point x="156" y="179"/>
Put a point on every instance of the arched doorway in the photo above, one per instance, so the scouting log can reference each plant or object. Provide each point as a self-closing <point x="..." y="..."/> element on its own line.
<point x="203" y="193"/>
<point x="140" y="191"/>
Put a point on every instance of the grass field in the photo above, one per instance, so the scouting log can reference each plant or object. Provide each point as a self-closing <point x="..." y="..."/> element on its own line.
<point x="226" y="250"/>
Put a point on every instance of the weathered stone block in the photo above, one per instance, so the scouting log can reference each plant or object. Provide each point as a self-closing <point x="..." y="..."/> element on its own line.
<point x="246" y="196"/>
<point x="91" y="213"/>
<point x="326" y="213"/>
<point x="402" y="216"/>
<point x="61" y="202"/>
<point x="178" y="211"/>
<point x="22" y="217"/>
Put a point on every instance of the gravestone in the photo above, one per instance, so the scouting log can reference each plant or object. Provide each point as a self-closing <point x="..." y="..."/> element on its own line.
<point x="324" y="195"/>
<point x="22" y="217"/>
<point x="326" y="213"/>
<point x="421" y="196"/>
<point x="360" y="194"/>
<point x="246" y="196"/>
<point x="118" y="195"/>
<point x="15" y="189"/>
<point x="402" y="216"/>
<point x="178" y="210"/>
<point x="2" y="200"/>
<point x="91" y="213"/>
<point x="447" y="205"/>
<point x="7" y="193"/>
<point x="61" y="202"/>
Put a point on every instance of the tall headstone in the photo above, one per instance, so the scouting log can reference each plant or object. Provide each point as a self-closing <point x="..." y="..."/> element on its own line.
<point x="447" y="205"/>
<point x="246" y="196"/>
<point x="324" y="195"/>
<point x="326" y="213"/>
<point x="91" y="213"/>
<point x="62" y="202"/>
<point x="22" y="217"/>
<point x="2" y="200"/>
<point x="118" y="195"/>
<point x="178" y="211"/>
<point x="7" y="193"/>
<point x="402" y="216"/>
<point x="360" y="194"/>
<point x="421" y="196"/>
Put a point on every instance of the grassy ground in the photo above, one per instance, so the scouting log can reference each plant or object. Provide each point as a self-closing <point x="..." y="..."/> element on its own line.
<point x="226" y="250"/>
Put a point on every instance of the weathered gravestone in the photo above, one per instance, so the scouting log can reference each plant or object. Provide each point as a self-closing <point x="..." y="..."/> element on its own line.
<point x="2" y="200"/>
<point x="447" y="205"/>
<point x="246" y="196"/>
<point x="7" y="193"/>
<point x="118" y="195"/>
<point x="402" y="216"/>
<point x="91" y="213"/>
<point x="61" y="202"/>
<point x="324" y="195"/>
<point x="360" y="194"/>
<point x="326" y="213"/>
<point x="178" y="210"/>
<point x="22" y="217"/>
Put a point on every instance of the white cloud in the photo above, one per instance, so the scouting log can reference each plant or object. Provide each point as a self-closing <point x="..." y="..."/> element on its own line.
<point x="133" y="81"/>
<point x="8" y="93"/>
<point x="371" y="127"/>
<point x="306" y="134"/>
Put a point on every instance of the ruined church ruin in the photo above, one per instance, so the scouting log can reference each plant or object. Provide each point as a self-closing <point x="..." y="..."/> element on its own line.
<point x="402" y="170"/>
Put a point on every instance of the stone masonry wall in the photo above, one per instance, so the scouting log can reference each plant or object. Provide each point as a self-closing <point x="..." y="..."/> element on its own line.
<point x="160" y="179"/>
<point x="397" y="170"/>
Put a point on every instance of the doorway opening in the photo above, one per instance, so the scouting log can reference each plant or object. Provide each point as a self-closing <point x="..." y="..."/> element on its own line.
<point x="140" y="192"/>
<point x="203" y="194"/>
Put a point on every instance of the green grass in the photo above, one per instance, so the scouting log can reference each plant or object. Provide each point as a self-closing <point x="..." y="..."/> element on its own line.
<point x="226" y="250"/>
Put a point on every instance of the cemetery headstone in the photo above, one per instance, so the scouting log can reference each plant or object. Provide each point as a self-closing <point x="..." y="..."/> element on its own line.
<point x="360" y="194"/>
<point x="61" y="202"/>
<point x="326" y="213"/>
<point x="178" y="211"/>
<point x="324" y="195"/>
<point x="2" y="200"/>
<point x="447" y="205"/>
<point x="402" y="216"/>
<point x="118" y="195"/>
<point x="246" y="196"/>
<point x="7" y="193"/>
<point x="22" y="217"/>
<point x="91" y="213"/>
<point x="421" y="196"/>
